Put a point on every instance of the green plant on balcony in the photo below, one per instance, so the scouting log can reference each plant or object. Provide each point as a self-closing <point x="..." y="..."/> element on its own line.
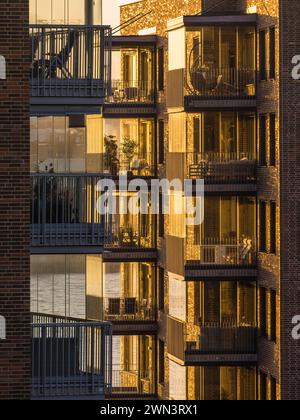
<point x="111" y="154"/>
<point x="127" y="236"/>
<point x="129" y="149"/>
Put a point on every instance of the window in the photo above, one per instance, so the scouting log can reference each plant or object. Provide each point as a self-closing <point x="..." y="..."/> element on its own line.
<point x="273" y="389"/>
<point x="2" y="68"/>
<point x="273" y="316"/>
<point x="273" y="244"/>
<point x="161" y="352"/>
<point x="161" y="69"/>
<point x="161" y="289"/>
<point x="263" y="140"/>
<point x="161" y="142"/>
<point x="263" y="387"/>
<point x="262" y="226"/>
<point x="263" y="312"/>
<point x="161" y="218"/>
<point x="272" y="139"/>
<point x="272" y="47"/>
<point x="262" y="55"/>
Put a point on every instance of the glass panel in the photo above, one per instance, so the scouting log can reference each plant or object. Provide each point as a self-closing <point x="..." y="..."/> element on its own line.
<point x="59" y="12"/>
<point x="177" y="381"/>
<point x="45" y="144"/>
<point x="228" y="48"/>
<point x="58" y="285"/>
<point x="228" y="384"/>
<point x="247" y="304"/>
<point x="210" y="48"/>
<point x="95" y="146"/>
<point x="60" y="142"/>
<point x="246" y="48"/>
<point x="129" y="66"/>
<point x="211" y="132"/>
<point x="177" y="298"/>
<point x="177" y="133"/>
<point x="247" y="136"/>
<point x="228" y="218"/>
<point x="229" y="303"/>
<point x="228" y="134"/>
<point x="212" y="303"/>
<point x="247" y="218"/>
<point x="77" y="149"/>
<point x="177" y="49"/>
<point x="34" y="166"/>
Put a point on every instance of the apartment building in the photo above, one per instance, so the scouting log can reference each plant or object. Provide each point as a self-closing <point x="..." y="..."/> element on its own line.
<point x="144" y="306"/>
<point x="226" y="113"/>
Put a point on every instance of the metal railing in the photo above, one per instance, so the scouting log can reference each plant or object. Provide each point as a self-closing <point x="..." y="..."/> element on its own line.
<point x="132" y="91"/>
<point x="63" y="210"/>
<point x="70" y="60"/>
<point x="221" y="83"/>
<point x="224" y="338"/>
<point x="132" y="380"/>
<point x="222" y="168"/>
<point x="214" y="251"/>
<point x="128" y="309"/>
<point x="140" y="165"/>
<point x="70" y="359"/>
<point x="129" y="236"/>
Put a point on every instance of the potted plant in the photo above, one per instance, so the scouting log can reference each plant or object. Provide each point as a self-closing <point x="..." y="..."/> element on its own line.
<point x="111" y="154"/>
<point x="129" y="149"/>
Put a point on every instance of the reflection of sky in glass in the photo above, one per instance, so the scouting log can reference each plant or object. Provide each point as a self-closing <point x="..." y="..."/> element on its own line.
<point x="72" y="11"/>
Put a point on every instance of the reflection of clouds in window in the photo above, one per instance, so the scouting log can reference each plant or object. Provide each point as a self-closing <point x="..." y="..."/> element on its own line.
<point x="60" y="12"/>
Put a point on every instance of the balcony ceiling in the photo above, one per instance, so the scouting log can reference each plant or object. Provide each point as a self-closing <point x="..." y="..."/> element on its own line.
<point x="133" y="41"/>
<point x="212" y="20"/>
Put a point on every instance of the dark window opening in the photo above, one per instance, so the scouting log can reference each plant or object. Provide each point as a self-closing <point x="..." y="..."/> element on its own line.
<point x="262" y="140"/>
<point x="273" y="389"/>
<point x="161" y="289"/>
<point x="272" y="53"/>
<point x="263" y="312"/>
<point x="262" y="55"/>
<point x="161" y="351"/>
<point x="272" y="139"/>
<point x="273" y="316"/>
<point x="273" y="228"/>
<point x="161" y="69"/>
<point x="263" y="386"/>
<point x="161" y="142"/>
<point x="262" y="226"/>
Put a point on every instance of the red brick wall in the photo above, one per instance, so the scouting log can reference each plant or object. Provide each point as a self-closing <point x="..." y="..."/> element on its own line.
<point x="14" y="201"/>
<point x="290" y="198"/>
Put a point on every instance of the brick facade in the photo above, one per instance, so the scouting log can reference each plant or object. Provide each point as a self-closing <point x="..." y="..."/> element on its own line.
<point x="289" y="200"/>
<point x="15" y="370"/>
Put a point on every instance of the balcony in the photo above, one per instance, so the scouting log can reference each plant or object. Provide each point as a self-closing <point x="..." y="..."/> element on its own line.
<point x="128" y="309"/>
<point x="223" y="339"/>
<point x="132" y="381"/>
<point x="222" y="168"/>
<point x="226" y="252"/>
<point x="63" y="211"/>
<point x="71" y="63"/>
<point x="216" y="344"/>
<point x="135" y="91"/>
<point x="220" y="83"/>
<point x="132" y="236"/>
<point x="70" y="360"/>
<point x="133" y="76"/>
<point x="212" y="63"/>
